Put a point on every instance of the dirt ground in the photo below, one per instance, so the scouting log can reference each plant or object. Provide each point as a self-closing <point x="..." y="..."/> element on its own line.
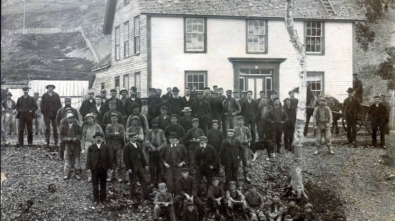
<point x="353" y="184"/>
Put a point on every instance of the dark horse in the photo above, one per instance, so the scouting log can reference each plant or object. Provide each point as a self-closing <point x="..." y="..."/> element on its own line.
<point x="312" y="103"/>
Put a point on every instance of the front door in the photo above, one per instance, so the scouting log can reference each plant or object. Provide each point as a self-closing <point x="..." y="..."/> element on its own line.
<point x="256" y="80"/>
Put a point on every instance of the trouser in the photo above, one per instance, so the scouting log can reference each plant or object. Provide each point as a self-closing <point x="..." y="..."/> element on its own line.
<point x="169" y="211"/>
<point x="38" y="123"/>
<point x="255" y="213"/>
<point x="359" y="97"/>
<point x="242" y="204"/>
<point x="99" y="175"/>
<point x="25" y="119"/>
<point x="375" y="128"/>
<point x="351" y="129"/>
<point x="250" y="122"/>
<point x="214" y="204"/>
<point x="229" y="122"/>
<point x="179" y="199"/>
<point x="61" y="150"/>
<point x="85" y="150"/>
<point x="52" y="121"/>
<point x="155" y="168"/>
<point x="246" y="151"/>
<point x="72" y="157"/>
<point x="277" y="131"/>
<point x="231" y="173"/>
<point x="192" y="153"/>
<point x="289" y="131"/>
<point x="323" y="131"/>
<point x="116" y="155"/>
<point x="172" y="175"/>
<point x="203" y="124"/>
<point x="140" y="173"/>
<point x="9" y="123"/>
<point x="204" y="170"/>
<point x="263" y="130"/>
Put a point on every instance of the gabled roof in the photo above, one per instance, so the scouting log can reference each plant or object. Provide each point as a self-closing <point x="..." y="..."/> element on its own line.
<point x="306" y="9"/>
<point x="104" y="63"/>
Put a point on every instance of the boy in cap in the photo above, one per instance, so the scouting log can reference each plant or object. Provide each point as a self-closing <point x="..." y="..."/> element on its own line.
<point x="378" y="118"/>
<point x="98" y="162"/>
<point x="190" y="213"/>
<point x="277" y="116"/>
<point x="168" y="94"/>
<point x="255" y="203"/>
<point x="230" y="155"/>
<point x="293" y="211"/>
<point x="70" y="136"/>
<point x="351" y="107"/>
<point x="215" y="136"/>
<point x="186" y="120"/>
<point x="175" y="127"/>
<point x="207" y="161"/>
<point x="87" y="104"/>
<point x="143" y="122"/>
<point x="289" y="125"/>
<point x="186" y="189"/>
<point x="322" y="121"/>
<point x="132" y="102"/>
<point x="62" y="112"/>
<point x="243" y="135"/>
<point x="115" y="133"/>
<point x="155" y="142"/>
<point x="135" y="164"/>
<point x="216" y="197"/>
<point x="173" y="157"/>
<point x="163" y="119"/>
<point x="10" y="112"/>
<point x="163" y="203"/>
<point x="26" y="107"/>
<point x="308" y="213"/>
<point x="192" y="143"/>
<point x="201" y="110"/>
<point x="234" y="198"/>
<point x="272" y="97"/>
<point x="50" y="104"/>
<point x="275" y="208"/>
<point x="64" y="121"/>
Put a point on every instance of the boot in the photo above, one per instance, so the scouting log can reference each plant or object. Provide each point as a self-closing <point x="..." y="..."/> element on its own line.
<point x="255" y="156"/>
<point x="331" y="151"/>
<point x="246" y="177"/>
<point x="217" y="215"/>
<point x="110" y="175"/>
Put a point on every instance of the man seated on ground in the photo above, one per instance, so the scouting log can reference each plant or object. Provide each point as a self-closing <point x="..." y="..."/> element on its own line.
<point x="293" y="211"/>
<point x="216" y="198"/>
<point x="275" y="209"/>
<point x="235" y="199"/>
<point x="308" y="213"/>
<point x="190" y="213"/>
<point x="254" y="201"/>
<point x="163" y="203"/>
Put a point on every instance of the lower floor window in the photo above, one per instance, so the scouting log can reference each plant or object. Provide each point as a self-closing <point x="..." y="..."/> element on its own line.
<point x="197" y="78"/>
<point x="315" y="81"/>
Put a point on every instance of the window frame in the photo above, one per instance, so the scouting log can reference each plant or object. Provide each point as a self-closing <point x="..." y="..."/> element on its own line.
<point x="322" y="75"/>
<point x="266" y="37"/>
<point x="204" y="72"/>
<point x="126" y="51"/>
<point x="117" y="42"/>
<point x="136" y="38"/>
<point x="204" y="35"/>
<point x="322" y="52"/>
<point x="117" y="79"/>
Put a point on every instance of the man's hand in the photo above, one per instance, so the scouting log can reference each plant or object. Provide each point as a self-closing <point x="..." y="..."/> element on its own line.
<point x="211" y="167"/>
<point x="152" y="149"/>
<point x="130" y="171"/>
<point x="116" y="133"/>
<point x="167" y="165"/>
<point x="181" y="164"/>
<point x="146" y="167"/>
<point x="166" y="204"/>
<point x="234" y="114"/>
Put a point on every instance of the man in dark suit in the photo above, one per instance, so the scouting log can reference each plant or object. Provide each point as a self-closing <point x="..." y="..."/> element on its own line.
<point x="176" y="102"/>
<point x="50" y="104"/>
<point x="70" y="136"/>
<point x="98" y="162"/>
<point x="201" y="110"/>
<point x="357" y="87"/>
<point x="107" y="116"/>
<point x="294" y="101"/>
<point x="351" y="107"/>
<point x="207" y="161"/>
<point x="119" y="106"/>
<point x="61" y="113"/>
<point x="26" y="107"/>
<point x="87" y="104"/>
<point x="100" y="107"/>
<point x="173" y="157"/>
<point x="187" y="99"/>
<point x="230" y="155"/>
<point x="135" y="164"/>
<point x="152" y="105"/>
<point x="249" y="110"/>
<point x="378" y="118"/>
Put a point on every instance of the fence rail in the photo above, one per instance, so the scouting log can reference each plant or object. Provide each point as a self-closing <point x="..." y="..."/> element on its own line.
<point x="42" y="30"/>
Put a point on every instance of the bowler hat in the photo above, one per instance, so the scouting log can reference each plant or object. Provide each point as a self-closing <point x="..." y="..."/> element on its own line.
<point x="173" y="135"/>
<point x="50" y="85"/>
<point x="195" y="120"/>
<point x="25" y="88"/>
<point x="132" y="134"/>
<point x="186" y="109"/>
<point x="134" y="89"/>
<point x="154" y="121"/>
<point x="350" y="90"/>
<point x="70" y="115"/>
<point x="9" y="93"/>
<point x="98" y="134"/>
<point x="175" y="89"/>
<point x="174" y="115"/>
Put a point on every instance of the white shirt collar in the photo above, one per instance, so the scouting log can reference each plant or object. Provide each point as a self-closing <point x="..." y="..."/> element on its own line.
<point x="98" y="145"/>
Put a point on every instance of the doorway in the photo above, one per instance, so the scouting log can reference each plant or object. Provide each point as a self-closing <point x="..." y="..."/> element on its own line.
<point x="256" y="80"/>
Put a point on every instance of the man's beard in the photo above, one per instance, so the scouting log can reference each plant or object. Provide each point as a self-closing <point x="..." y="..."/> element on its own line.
<point x="231" y="140"/>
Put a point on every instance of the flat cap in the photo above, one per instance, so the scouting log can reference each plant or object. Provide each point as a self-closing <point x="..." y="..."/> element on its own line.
<point x="123" y="90"/>
<point x="203" y="138"/>
<point x="70" y="115"/>
<point x="135" y="118"/>
<point x="152" y="89"/>
<point x="154" y="121"/>
<point x="173" y="135"/>
<point x="174" y="115"/>
<point x="164" y="107"/>
<point x="9" y="93"/>
<point x="216" y="178"/>
<point x="25" y="88"/>
<point x="113" y="90"/>
<point x="240" y="118"/>
<point x="262" y="92"/>
<point x="185" y="169"/>
<point x="187" y="109"/>
<point x="200" y="93"/>
<point x="91" y="92"/>
<point x="232" y="183"/>
<point x="112" y="102"/>
<point x="207" y="88"/>
<point x="114" y="115"/>
<point x="275" y="99"/>
<point x="231" y="130"/>
<point x="67" y="99"/>
<point x="377" y="96"/>
<point x="36" y="93"/>
<point x="98" y="96"/>
<point x="88" y="116"/>
<point x="195" y="120"/>
<point x="132" y="134"/>
<point x="50" y="85"/>
<point x="98" y="134"/>
<point x="215" y="121"/>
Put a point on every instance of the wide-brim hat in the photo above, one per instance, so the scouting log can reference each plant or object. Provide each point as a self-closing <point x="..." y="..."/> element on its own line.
<point x="50" y="85"/>
<point x="350" y="90"/>
<point x="97" y="134"/>
<point x="187" y="109"/>
<point x="175" y="89"/>
<point x="173" y="135"/>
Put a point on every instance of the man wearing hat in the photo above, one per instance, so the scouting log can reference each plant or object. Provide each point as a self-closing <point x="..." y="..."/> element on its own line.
<point x="234" y="198"/>
<point x="134" y="126"/>
<point x="187" y="99"/>
<point x="152" y="104"/>
<point x="273" y="95"/>
<point x="275" y="208"/>
<point x="357" y="87"/>
<point x="113" y="110"/>
<point x="187" y="191"/>
<point x="9" y="106"/>
<point x="70" y="136"/>
<point x="351" y="108"/>
<point x="249" y="110"/>
<point x="155" y="142"/>
<point x="176" y="102"/>
<point x="230" y="155"/>
<point x="388" y="106"/>
<point x="143" y="122"/>
<point x="173" y="156"/>
<point x="38" y="120"/>
<point x="264" y="126"/>
<point x="231" y="109"/>
<point x="115" y="133"/>
<point x="158" y="95"/>
<point x="201" y="110"/>
<point x="215" y="136"/>
<point x="322" y="121"/>
<point x="308" y="213"/>
<point x="192" y="144"/>
<point x="62" y="112"/>
<point x="175" y="127"/>
<point x="100" y="108"/>
<point x="207" y="161"/>
<point x="61" y="124"/>
<point x="124" y="96"/>
<point x="194" y="92"/>
<point x="243" y="135"/>
<point x="243" y="96"/>
<point x="88" y="131"/>
<point x="118" y="103"/>
<point x="164" y="118"/>
<point x="103" y="94"/>
<point x="294" y="101"/>
<point x="135" y="164"/>
<point x="221" y="95"/>
<point x="379" y="118"/>
<point x="98" y="162"/>
<point x="207" y="94"/>
<point x="255" y="203"/>
<point x="50" y="104"/>
<point x="87" y="104"/>
<point x="26" y="107"/>
<point x="289" y="125"/>
<point x="96" y="114"/>
<point x="163" y="203"/>
<point x="277" y="116"/>
<point x="186" y="120"/>
<point x="261" y="95"/>
<point x="216" y="109"/>
<point x="168" y="94"/>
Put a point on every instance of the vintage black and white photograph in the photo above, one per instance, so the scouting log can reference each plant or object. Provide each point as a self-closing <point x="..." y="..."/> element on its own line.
<point x="198" y="110"/>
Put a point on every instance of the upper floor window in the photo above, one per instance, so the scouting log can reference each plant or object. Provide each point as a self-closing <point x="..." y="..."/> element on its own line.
<point x="137" y="35"/>
<point x="126" y="40"/>
<point x="314" y="37"/>
<point x="256" y="36"/>
<point x="117" y="42"/>
<point x="195" y="35"/>
<point x="196" y="78"/>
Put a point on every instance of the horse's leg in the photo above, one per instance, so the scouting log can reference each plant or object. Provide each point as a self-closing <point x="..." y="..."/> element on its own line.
<point x="306" y="126"/>
<point x="336" y="125"/>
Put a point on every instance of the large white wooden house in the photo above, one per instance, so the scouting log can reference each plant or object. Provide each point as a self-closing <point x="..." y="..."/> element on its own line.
<point x="235" y="44"/>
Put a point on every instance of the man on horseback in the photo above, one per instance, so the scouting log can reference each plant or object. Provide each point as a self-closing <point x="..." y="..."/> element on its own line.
<point x="322" y="120"/>
<point x="351" y="107"/>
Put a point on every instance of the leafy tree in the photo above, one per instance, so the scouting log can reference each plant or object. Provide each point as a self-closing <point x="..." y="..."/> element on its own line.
<point x="386" y="69"/>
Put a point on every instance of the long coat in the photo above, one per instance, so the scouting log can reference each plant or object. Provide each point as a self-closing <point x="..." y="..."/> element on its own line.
<point x="92" y="158"/>
<point x="86" y="106"/>
<point x="74" y="132"/>
<point x="50" y="104"/>
<point x="209" y="157"/>
<point x="61" y="114"/>
<point x="378" y="114"/>
<point x="133" y="157"/>
<point x="177" y="104"/>
<point x="231" y="155"/>
<point x="165" y="155"/>
<point x="351" y="107"/>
